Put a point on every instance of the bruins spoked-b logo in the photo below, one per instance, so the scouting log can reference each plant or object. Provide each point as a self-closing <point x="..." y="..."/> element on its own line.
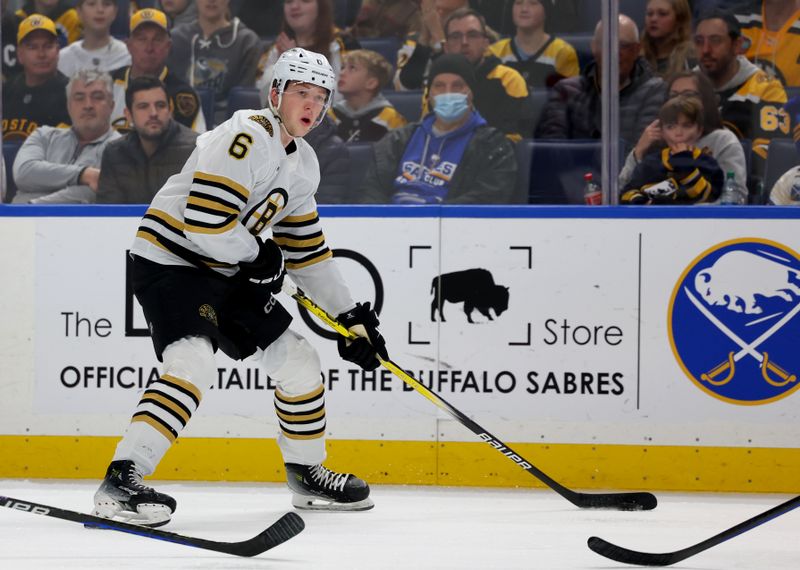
<point x="733" y="321"/>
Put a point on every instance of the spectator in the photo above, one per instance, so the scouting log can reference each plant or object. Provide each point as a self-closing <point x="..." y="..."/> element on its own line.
<point x="682" y="172"/>
<point x="261" y="16"/>
<point x="61" y="165"/>
<point x="573" y="108"/>
<point x="387" y="18"/>
<point x="307" y="24"/>
<point x="751" y="103"/>
<point x="135" y="167"/>
<point x="421" y="47"/>
<point x="667" y="36"/>
<point x="149" y="45"/>
<point x="215" y="52"/>
<point x="65" y="17"/>
<point x="453" y="156"/>
<point x="786" y="191"/>
<point x="540" y="58"/>
<point x="770" y="29"/>
<point x="720" y="142"/>
<point x="363" y="114"/>
<point x="179" y="12"/>
<point x="564" y="19"/>
<point x="97" y="50"/>
<point x="37" y="96"/>
<point x="501" y="95"/>
<point x="334" y="164"/>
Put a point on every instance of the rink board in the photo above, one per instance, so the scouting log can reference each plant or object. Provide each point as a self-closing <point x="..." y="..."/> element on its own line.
<point x="633" y="342"/>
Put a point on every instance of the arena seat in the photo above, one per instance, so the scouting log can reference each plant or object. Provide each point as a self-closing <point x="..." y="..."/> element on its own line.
<point x="408" y="103"/>
<point x="10" y="150"/>
<point x="583" y="46"/>
<point x="207" y="104"/>
<point x="243" y="98"/>
<point x="781" y="157"/>
<point x="387" y="47"/>
<point x="360" y="157"/>
<point x="539" y="97"/>
<point x="557" y="168"/>
<point x="345" y="12"/>
<point x="524" y="153"/>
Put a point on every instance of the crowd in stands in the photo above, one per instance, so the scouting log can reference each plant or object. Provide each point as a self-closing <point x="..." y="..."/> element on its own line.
<point x="438" y="101"/>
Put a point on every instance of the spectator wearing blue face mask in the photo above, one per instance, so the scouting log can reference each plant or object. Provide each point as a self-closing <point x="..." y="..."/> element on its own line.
<point x="451" y="157"/>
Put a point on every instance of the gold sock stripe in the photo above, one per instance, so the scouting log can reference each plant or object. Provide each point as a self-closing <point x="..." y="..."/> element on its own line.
<point x="155" y="423"/>
<point x="301" y="399"/>
<point x="165" y="403"/>
<point x="300" y="418"/>
<point x="182" y="386"/>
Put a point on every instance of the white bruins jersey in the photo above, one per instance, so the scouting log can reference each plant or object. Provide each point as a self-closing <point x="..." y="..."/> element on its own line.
<point x="239" y="182"/>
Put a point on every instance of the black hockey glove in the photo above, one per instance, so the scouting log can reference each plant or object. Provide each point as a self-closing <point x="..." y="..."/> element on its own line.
<point x="364" y="350"/>
<point x="266" y="271"/>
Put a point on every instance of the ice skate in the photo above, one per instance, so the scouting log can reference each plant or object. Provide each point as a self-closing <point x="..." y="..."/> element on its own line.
<point x="123" y="496"/>
<point x="317" y="488"/>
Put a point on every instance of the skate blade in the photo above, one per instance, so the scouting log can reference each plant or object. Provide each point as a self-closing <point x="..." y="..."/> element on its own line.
<point x="313" y="503"/>
<point x="150" y="515"/>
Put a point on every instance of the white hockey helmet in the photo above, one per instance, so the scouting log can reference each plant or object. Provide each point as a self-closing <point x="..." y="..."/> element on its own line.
<point x="298" y="64"/>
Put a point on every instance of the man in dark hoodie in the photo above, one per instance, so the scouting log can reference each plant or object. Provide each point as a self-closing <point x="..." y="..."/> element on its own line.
<point x="573" y="109"/>
<point x="453" y="156"/>
<point x="215" y="52"/>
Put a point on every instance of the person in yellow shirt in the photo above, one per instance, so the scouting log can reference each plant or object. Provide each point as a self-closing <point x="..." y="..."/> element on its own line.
<point x="771" y="30"/>
<point x="540" y="58"/>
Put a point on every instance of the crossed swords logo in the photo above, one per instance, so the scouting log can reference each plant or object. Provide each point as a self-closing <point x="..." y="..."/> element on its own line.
<point x="728" y="367"/>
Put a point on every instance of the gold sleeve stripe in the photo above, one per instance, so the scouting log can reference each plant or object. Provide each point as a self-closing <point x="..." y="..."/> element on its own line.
<point x="222" y="183"/>
<point x="211" y="206"/>
<point x="172" y="405"/>
<point x="299" y="221"/>
<point x="182" y="386"/>
<point x="293" y="244"/>
<point x="665" y="159"/>
<point x="301" y="399"/>
<point x="152" y="238"/>
<point x="150" y="235"/>
<point x="200" y="228"/>
<point x="512" y="81"/>
<point x="172" y="223"/>
<point x="156" y="424"/>
<point x="630" y="195"/>
<point x="309" y="260"/>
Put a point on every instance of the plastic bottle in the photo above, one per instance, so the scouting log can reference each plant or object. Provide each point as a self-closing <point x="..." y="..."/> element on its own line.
<point x="730" y="192"/>
<point x="592" y="194"/>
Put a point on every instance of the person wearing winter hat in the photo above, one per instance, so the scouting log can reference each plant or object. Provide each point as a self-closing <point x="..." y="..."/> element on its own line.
<point x="452" y="156"/>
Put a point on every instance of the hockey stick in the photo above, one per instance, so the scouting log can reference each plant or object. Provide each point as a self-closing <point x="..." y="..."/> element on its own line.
<point x="619" y="501"/>
<point x="626" y="556"/>
<point x="279" y="532"/>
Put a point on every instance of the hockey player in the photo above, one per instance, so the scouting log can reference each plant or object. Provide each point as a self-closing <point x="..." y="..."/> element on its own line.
<point x="205" y="276"/>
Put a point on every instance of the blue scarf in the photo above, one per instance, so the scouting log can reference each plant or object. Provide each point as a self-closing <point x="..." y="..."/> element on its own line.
<point x="430" y="161"/>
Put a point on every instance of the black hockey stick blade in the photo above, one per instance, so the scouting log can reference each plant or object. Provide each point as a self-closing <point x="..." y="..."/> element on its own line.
<point x="286" y="527"/>
<point x="627" y="556"/>
<point x="637" y="501"/>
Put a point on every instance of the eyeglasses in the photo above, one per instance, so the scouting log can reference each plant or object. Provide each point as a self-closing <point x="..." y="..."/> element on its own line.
<point x="458" y="37"/>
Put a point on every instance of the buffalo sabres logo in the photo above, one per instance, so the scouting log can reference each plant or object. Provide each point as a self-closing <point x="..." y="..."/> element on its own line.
<point x="732" y="321"/>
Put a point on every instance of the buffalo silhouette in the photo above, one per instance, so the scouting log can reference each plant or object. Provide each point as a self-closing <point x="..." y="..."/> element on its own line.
<point x="475" y="287"/>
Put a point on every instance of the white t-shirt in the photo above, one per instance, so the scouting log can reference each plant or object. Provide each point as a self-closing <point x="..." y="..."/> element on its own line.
<point x="74" y="57"/>
<point x="786" y="191"/>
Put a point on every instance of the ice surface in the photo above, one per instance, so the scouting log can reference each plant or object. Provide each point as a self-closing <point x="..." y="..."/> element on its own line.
<point x="412" y="528"/>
